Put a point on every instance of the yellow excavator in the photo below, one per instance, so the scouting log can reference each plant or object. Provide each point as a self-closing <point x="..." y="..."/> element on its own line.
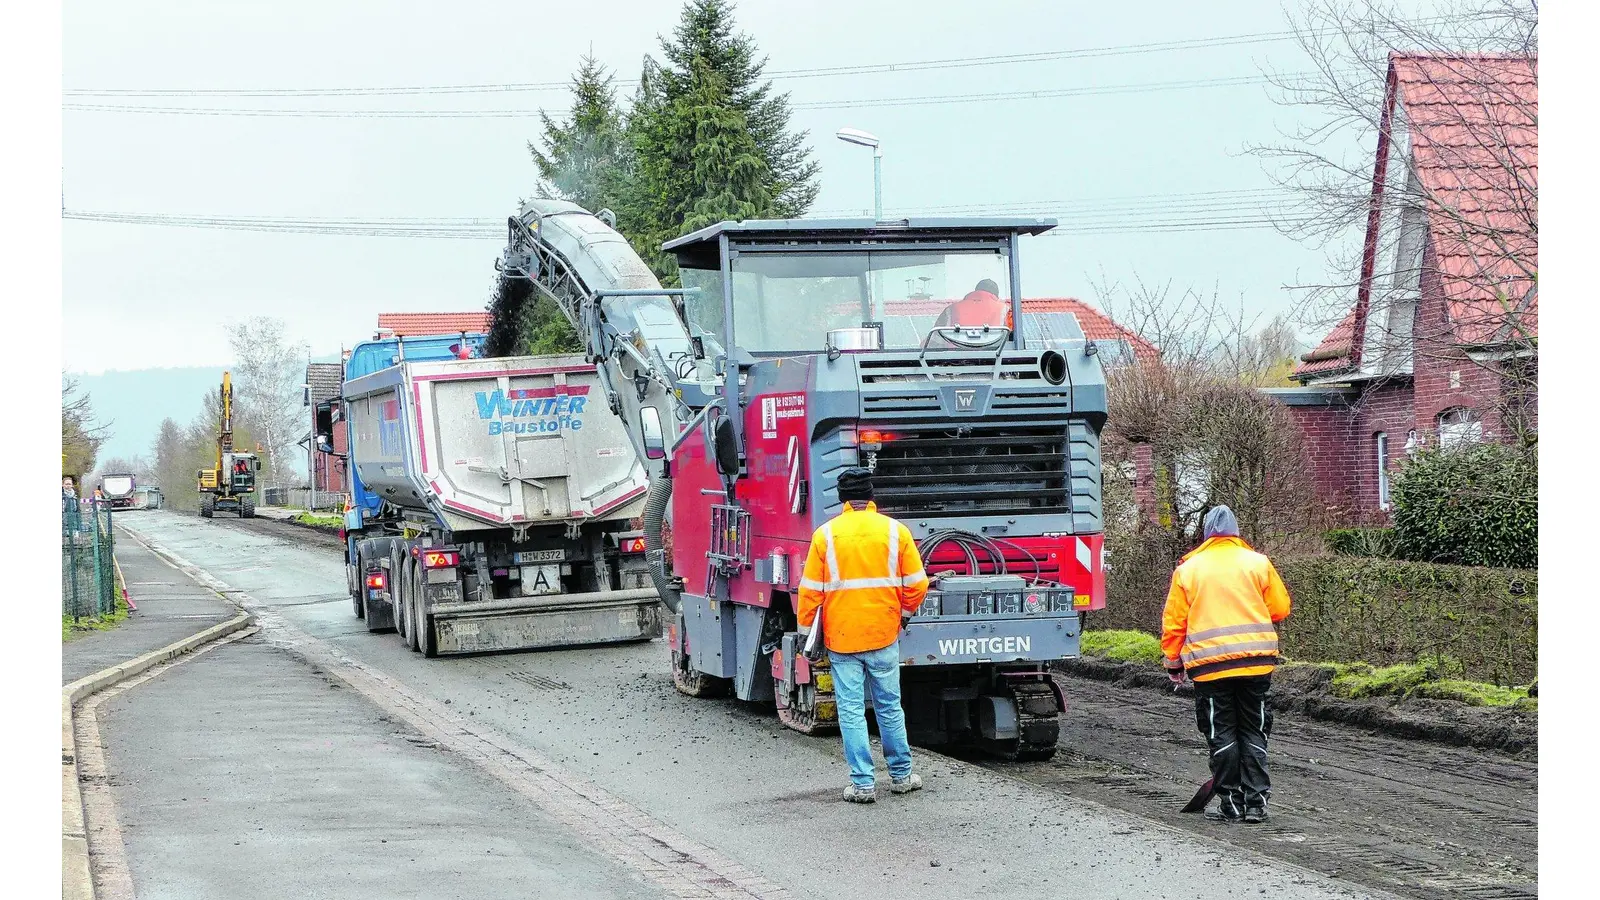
<point x="231" y="485"/>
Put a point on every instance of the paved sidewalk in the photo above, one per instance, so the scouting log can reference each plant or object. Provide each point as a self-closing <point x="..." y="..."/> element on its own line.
<point x="171" y="608"/>
<point x="244" y="773"/>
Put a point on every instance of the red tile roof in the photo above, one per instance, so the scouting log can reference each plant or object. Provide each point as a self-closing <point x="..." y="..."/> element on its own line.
<point x="416" y="324"/>
<point x="1474" y="124"/>
<point x="1474" y="132"/>
<point x="1096" y="325"/>
<point x="1333" y="354"/>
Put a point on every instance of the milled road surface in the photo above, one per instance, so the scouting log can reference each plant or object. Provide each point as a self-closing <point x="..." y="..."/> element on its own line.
<point x="719" y="774"/>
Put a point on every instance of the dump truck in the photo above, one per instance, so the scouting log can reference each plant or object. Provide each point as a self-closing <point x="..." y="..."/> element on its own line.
<point x="788" y="356"/>
<point x="504" y="507"/>
<point x="118" y="490"/>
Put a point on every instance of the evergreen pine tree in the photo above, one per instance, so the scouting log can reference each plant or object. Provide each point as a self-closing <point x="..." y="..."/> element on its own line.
<point x="584" y="158"/>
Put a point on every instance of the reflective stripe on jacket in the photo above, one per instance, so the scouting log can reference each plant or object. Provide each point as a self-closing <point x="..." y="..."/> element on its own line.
<point x="863" y="571"/>
<point x="1224" y="601"/>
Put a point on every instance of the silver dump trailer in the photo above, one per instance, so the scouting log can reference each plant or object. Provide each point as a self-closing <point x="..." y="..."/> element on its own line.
<point x="510" y="496"/>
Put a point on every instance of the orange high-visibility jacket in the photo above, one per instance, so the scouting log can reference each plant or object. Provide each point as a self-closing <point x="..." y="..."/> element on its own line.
<point x="1224" y="600"/>
<point x="975" y="310"/>
<point x="863" y="571"/>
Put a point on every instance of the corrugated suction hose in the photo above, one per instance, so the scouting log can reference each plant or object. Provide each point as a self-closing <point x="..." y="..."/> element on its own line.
<point x="655" y="512"/>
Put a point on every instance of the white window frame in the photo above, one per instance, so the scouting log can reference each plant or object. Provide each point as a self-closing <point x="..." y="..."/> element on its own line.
<point x="1459" y="426"/>
<point x="1381" y="439"/>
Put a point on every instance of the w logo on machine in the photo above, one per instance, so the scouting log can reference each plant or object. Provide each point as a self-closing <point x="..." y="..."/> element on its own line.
<point x="966" y="400"/>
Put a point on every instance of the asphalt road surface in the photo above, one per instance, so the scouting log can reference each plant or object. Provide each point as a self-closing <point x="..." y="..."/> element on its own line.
<point x="599" y="741"/>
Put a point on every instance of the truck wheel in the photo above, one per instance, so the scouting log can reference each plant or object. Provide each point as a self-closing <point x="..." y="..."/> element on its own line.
<point x="247" y="507"/>
<point x="208" y="505"/>
<point x="414" y="616"/>
<point x="353" y="576"/>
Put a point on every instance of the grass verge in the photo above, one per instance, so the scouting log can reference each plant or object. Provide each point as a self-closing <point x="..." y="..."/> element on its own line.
<point x="1429" y="678"/>
<point x="72" y="627"/>
<point x="312" y="520"/>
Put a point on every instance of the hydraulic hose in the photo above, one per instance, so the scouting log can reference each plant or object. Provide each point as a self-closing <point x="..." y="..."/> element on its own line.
<point x="655" y="512"/>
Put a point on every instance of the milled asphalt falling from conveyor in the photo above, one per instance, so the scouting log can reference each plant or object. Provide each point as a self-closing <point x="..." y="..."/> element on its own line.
<point x="728" y="775"/>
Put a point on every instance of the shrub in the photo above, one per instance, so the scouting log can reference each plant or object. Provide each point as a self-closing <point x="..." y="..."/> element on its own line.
<point x="1470" y="506"/>
<point x="1369" y="542"/>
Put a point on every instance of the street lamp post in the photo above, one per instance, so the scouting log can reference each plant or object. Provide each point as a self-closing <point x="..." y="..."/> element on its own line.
<point x="863" y="139"/>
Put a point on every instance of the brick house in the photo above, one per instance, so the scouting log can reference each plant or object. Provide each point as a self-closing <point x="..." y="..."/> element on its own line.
<point x="324" y="381"/>
<point x="1441" y="343"/>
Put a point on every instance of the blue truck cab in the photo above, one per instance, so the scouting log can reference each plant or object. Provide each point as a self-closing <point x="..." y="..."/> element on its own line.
<point x="366" y="358"/>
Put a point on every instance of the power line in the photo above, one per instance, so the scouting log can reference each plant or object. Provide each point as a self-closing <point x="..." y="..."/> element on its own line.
<point x="1171" y="218"/>
<point x="944" y="99"/>
<point x="1233" y="40"/>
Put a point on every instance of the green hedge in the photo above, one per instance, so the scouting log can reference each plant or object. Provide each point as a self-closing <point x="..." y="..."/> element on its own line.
<point x="1377" y="611"/>
<point x="1386" y="612"/>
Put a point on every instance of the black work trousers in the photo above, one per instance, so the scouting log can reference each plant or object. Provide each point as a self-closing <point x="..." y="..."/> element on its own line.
<point x="1235" y="717"/>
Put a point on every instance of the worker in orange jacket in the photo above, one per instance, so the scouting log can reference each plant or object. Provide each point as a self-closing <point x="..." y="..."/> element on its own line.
<point x="1217" y="630"/>
<point x="982" y="306"/>
<point x="866" y="578"/>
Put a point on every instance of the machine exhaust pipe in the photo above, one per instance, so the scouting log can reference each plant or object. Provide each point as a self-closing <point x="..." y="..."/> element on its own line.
<point x="655" y="512"/>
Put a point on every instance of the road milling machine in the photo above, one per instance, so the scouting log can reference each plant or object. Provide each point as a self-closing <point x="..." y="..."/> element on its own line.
<point x="230" y="486"/>
<point x="796" y="349"/>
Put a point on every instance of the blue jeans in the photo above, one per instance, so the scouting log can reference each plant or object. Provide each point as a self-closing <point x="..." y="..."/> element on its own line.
<point x="851" y="673"/>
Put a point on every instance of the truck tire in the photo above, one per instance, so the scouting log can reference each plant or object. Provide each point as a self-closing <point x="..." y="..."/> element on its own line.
<point x="208" y="505"/>
<point x="414" y="615"/>
<point x="247" y="507"/>
<point x="400" y="576"/>
<point x="352" y="578"/>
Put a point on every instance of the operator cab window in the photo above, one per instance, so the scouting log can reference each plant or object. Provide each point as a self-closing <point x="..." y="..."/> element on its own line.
<point x="788" y="302"/>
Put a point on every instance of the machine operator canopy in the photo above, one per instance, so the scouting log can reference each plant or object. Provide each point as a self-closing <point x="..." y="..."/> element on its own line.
<point x="796" y="280"/>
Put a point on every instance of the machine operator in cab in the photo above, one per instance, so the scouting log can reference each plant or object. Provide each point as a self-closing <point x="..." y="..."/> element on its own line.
<point x="865" y="578"/>
<point x="982" y="306"/>
<point x="1218" y="630"/>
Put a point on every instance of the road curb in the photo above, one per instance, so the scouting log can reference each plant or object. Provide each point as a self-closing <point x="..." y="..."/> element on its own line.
<point x="77" y="882"/>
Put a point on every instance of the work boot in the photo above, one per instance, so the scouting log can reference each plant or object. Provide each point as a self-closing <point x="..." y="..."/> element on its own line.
<point x="912" y="782"/>
<point x="857" y="794"/>
<point x="1255" y="815"/>
<point x="1225" y="811"/>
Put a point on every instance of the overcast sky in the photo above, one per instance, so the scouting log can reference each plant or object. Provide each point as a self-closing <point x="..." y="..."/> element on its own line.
<point x="163" y="296"/>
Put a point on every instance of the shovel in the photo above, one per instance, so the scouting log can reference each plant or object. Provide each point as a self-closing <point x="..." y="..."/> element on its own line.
<point x="1198" y="802"/>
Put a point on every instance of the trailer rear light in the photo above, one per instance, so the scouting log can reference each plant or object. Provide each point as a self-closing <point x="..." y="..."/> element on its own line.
<point x="376" y="581"/>
<point x="440" y="559"/>
<point x="633" y="545"/>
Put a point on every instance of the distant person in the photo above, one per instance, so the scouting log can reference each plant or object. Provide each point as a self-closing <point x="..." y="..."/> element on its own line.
<point x="982" y="306"/>
<point x="68" y="490"/>
<point x="863" y="580"/>
<point x="1218" y="630"/>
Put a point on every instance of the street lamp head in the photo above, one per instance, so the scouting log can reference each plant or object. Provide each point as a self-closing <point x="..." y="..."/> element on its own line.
<point x="857" y="136"/>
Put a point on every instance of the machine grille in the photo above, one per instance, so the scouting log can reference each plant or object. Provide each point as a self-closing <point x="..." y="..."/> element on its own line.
<point x="973" y="470"/>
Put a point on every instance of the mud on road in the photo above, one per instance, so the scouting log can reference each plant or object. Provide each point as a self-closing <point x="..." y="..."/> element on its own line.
<point x="1417" y="818"/>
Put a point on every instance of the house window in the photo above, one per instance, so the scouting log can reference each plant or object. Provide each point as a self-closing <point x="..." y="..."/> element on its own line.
<point x="1459" y="427"/>
<point x="1383" y="469"/>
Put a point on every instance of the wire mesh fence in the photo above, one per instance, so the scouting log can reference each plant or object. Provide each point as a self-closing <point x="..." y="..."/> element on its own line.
<point x="88" y="571"/>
